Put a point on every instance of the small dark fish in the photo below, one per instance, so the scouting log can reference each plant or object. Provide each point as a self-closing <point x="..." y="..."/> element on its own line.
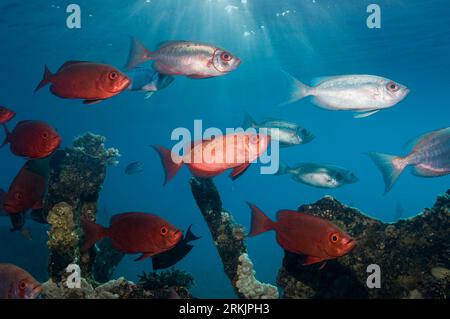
<point x="430" y="157"/>
<point x="289" y="134"/>
<point x="16" y="283"/>
<point x="6" y="115"/>
<point x="319" y="175"/>
<point x="32" y="139"/>
<point x="148" y="80"/>
<point x="134" y="168"/>
<point x="91" y="82"/>
<point x="173" y="256"/>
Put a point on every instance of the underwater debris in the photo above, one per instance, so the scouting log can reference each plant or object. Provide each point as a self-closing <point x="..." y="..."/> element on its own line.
<point x="408" y="253"/>
<point x="229" y="240"/>
<point x="106" y="260"/>
<point x="94" y="145"/>
<point x="166" y="278"/>
<point x="76" y="178"/>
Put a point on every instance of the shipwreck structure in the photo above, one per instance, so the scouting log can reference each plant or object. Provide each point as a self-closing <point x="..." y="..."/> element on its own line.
<point x="413" y="255"/>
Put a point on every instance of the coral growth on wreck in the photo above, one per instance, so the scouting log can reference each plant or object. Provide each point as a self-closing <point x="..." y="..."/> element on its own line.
<point x="166" y="278"/>
<point x="413" y="256"/>
<point x="229" y="240"/>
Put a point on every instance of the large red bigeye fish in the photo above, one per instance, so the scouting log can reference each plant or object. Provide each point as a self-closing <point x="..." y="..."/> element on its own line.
<point x="32" y="139"/>
<point x="192" y="59"/>
<point x="210" y="158"/>
<point x="16" y="283"/>
<point x="27" y="189"/>
<point x="91" y="82"/>
<point x="133" y="233"/>
<point x="299" y="233"/>
<point x="6" y="115"/>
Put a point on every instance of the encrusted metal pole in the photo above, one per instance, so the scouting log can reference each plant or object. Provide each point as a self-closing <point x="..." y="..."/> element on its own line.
<point x="229" y="240"/>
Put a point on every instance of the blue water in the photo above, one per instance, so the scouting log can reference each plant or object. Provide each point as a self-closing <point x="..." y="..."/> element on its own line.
<point x="306" y="38"/>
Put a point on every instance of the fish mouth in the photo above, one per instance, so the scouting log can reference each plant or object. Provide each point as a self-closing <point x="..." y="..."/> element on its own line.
<point x="10" y="209"/>
<point x="35" y="292"/>
<point x="349" y="244"/>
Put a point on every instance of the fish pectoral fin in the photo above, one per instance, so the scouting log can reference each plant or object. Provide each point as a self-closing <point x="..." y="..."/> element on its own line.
<point x="363" y="114"/>
<point x="37" y="205"/>
<point x="144" y="256"/>
<point x="90" y="102"/>
<point x="238" y="171"/>
<point x="310" y="260"/>
<point x="149" y="95"/>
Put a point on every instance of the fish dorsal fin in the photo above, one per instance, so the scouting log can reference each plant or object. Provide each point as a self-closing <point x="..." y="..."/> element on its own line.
<point x="429" y="135"/>
<point x="164" y="44"/>
<point x="69" y="63"/>
<point x="119" y="217"/>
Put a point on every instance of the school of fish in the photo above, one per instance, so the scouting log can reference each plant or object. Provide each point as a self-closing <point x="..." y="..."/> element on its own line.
<point x="151" y="236"/>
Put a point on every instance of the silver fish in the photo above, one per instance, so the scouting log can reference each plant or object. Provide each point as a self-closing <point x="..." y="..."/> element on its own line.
<point x="134" y="168"/>
<point x="288" y="133"/>
<point x="192" y="59"/>
<point x="319" y="175"/>
<point x="148" y="80"/>
<point x="430" y="157"/>
<point x="364" y="94"/>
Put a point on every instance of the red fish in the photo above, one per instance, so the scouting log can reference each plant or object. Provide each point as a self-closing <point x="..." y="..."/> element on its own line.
<point x="92" y="82"/>
<point x="299" y="233"/>
<point x="212" y="157"/>
<point x="6" y="115"/>
<point x="32" y="139"/>
<point x="16" y="283"/>
<point x="26" y="192"/>
<point x="133" y="233"/>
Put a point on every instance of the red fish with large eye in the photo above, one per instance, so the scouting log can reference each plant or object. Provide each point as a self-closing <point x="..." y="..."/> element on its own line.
<point x="133" y="233"/>
<point x="91" y="82"/>
<point x="16" y="283"/>
<point x="32" y="139"/>
<point x="299" y="233"/>
<point x="210" y="158"/>
<point x="6" y="115"/>
<point x="26" y="192"/>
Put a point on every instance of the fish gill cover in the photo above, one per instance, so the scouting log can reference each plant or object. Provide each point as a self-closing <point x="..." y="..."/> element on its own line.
<point x="345" y="114"/>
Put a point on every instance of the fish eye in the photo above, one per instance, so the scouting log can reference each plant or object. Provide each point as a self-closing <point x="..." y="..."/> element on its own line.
<point x="113" y="75"/>
<point x="22" y="285"/>
<point x="225" y="56"/>
<point x="334" y="237"/>
<point x="393" y="87"/>
<point x="18" y="196"/>
<point x="163" y="231"/>
<point x="45" y="135"/>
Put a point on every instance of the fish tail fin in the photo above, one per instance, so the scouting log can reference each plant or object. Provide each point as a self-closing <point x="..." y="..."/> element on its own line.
<point x="138" y="54"/>
<point x="298" y="90"/>
<point x="248" y="121"/>
<point x="7" y="136"/>
<point x="190" y="235"/>
<point x="171" y="168"/>
<point x="391" y="167"/>
<point x="283" y="169"/>
<point x="260" y="222"/>
<point x="45" y="80"/>
<point x="92" y="233"/>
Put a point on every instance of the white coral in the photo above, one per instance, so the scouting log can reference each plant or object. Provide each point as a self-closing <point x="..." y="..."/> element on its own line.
<point x="248" y="285"/>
